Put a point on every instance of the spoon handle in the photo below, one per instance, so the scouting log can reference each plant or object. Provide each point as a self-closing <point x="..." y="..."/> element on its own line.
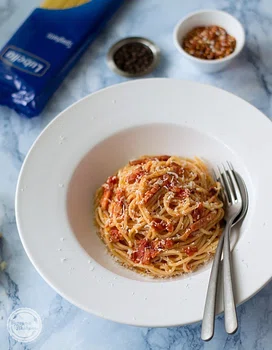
<point x="210" y="304"/>
<point x="231" y="323"/>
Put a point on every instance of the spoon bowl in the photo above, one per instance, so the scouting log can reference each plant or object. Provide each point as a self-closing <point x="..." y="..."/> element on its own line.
<point x="244" y="195"/>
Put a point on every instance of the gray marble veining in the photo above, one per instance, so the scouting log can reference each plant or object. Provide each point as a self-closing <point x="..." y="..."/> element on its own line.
<point x="250" y="77"/>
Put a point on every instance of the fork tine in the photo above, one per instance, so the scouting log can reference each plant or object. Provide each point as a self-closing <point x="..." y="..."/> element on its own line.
<point x="228" y="184"/>
<point x="234" y="182"/>
<point x="217" y="179"/>
<point x="230" y="165"/>
<point x="224" y="186"/>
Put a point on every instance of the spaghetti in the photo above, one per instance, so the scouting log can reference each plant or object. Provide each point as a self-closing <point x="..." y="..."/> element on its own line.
<point x="62" y="4"/>
<point x="160" y="215"/>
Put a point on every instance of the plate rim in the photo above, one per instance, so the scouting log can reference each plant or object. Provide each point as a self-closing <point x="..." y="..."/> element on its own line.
<point x="29" y="153"/>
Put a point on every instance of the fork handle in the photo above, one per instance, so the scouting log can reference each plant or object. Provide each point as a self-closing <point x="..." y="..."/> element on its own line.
<point x="231" y="323"/>
<point x="207" y="329"/>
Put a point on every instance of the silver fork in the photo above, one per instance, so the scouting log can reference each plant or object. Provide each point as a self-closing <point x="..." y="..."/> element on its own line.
<point x="233" y="202"/>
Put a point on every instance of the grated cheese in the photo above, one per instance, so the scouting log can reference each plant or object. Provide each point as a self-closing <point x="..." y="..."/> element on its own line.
<point x="172" y="173"/>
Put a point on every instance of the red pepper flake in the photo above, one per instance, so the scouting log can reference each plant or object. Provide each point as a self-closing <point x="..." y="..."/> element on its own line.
<point x="182" y="193"/>
<point x="213" y="191"/>
<point x="115" y="235"/>
<point x="112" y="180"/>
<point x="198" y="225"/>
<point x="177" y="169"/>
<point x="168" y="243"/>
<point x="108" y="188"/>
<point x="198" y="212"/>
<point x="190" y="250"/>
<point x="135" y="176"/>
<point x="209" y="43"/>
<point x="163" y="181"/>
<point x="142" y="254"/>
<point x="159" y="245"/>
<point x="148" y="250"/>
<point x="161" y="225"/>
<point x="150" y="193"/>
<point x="119" y="202"/>
<point x="172" y="184"/>
<point x="104" y="201"/>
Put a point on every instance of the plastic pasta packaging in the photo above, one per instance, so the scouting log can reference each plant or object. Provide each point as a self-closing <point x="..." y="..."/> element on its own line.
<point x="43" y="50"/>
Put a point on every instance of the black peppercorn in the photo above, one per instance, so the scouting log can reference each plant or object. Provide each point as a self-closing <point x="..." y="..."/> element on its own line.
<point x="133" y="58"/>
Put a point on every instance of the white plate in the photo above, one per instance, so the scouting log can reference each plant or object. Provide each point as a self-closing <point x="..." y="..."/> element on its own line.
<point x="93" y="138"/>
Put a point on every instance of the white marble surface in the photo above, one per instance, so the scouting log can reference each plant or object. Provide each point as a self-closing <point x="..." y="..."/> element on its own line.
<point x="250" y="77"/>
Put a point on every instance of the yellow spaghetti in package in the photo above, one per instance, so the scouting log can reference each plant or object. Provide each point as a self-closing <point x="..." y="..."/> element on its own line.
<point x="43" y="50"/>
<point x="62" y="4"/>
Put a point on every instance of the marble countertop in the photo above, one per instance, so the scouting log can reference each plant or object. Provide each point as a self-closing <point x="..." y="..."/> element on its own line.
<point x="250" y="77"/>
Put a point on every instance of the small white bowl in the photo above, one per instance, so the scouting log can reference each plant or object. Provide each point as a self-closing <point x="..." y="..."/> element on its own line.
<point x="207" y="18"/>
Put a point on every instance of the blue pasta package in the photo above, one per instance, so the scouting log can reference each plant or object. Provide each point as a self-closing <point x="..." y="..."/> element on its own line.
<point x="37" y="58"/>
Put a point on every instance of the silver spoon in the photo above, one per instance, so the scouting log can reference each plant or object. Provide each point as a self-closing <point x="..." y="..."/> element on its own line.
<point x="245" y="200"/>
<point x="210" y="305"/>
